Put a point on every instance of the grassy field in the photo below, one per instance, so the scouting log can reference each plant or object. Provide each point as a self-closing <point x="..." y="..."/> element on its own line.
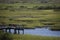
<point x="33" y="37"/>
<point x="27" y="17"/>
<point x="24" y="14"/>
<point x="8" y="36"/>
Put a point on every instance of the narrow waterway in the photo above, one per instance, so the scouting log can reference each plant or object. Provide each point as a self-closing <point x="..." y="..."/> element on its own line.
<point x="42" y="32"/>
<point x="39" y="31"/>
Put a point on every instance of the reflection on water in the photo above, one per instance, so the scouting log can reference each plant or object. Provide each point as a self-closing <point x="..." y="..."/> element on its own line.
<point x="39" y="31"/>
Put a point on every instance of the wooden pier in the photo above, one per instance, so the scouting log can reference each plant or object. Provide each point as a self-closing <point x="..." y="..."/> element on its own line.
<point x="15" y="28"/>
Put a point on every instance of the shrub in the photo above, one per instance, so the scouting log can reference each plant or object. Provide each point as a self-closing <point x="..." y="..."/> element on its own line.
<point x="5" y="36"/>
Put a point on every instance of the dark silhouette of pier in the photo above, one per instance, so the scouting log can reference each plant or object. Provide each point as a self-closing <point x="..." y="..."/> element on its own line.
<point x="16" y="28"/>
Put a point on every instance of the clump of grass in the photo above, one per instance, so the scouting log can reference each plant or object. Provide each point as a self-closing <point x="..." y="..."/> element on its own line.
<point x="32" y="37"/>
<point x="5" y="36"/>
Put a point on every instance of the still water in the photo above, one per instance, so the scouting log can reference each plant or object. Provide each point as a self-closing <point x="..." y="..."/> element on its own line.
<point x="40" y="31"/>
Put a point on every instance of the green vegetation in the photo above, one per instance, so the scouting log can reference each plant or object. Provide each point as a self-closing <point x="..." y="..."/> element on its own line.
<point x="32" y="37"/>
<point x="29" y="15"/>
<point x="5" y="36"/>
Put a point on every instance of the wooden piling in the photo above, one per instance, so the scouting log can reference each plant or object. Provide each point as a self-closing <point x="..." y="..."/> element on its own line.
<point x="15" y="31"/>
<point x="9" y="30"/>
<point x="6" y="30"/>
<point x="18" y="32"/>
<point x="23" y="31"/>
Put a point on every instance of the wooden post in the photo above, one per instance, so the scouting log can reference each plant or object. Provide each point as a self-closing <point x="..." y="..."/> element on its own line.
<point x="15" y="31"/>
<point x="18" y="31"/>
<point x="6" y="30"/>
<point x="23" y="28"/>
<point x="23" y="31"/>
<point x="9" y="30"/>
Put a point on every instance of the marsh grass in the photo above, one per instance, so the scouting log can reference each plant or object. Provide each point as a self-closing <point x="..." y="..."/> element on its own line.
<point x="38" y="17"/>
<point x="33" y="37"/>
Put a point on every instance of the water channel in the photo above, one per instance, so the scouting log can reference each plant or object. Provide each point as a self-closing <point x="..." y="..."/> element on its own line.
<point x="39" y="31"/>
